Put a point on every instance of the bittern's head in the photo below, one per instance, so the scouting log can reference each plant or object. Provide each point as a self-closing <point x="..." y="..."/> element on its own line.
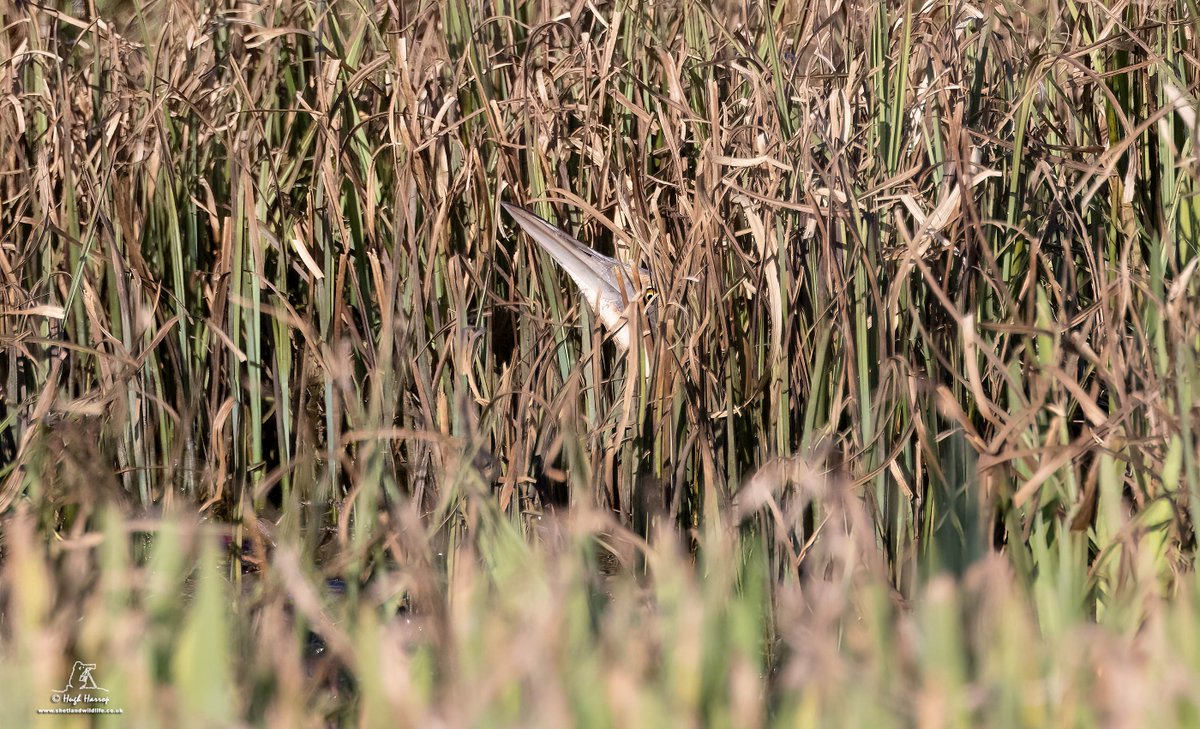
<point x="609" y="286"/>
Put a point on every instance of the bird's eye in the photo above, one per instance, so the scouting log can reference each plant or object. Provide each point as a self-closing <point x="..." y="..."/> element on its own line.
<point x="650" y="295"/>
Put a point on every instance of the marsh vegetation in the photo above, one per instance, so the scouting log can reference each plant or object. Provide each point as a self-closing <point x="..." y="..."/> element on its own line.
<point x="298" y="430"/>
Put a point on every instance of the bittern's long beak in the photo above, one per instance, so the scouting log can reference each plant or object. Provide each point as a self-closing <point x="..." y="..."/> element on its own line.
<point x="606" y="283"/>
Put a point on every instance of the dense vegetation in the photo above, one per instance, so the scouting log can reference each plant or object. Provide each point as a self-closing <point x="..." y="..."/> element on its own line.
<point x="296" y="429"/>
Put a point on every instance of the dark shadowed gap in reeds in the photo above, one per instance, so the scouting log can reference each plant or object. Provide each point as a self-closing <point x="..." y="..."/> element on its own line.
<point x="298" y="430"/>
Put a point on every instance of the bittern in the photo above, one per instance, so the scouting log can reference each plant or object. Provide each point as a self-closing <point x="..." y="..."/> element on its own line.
<point x="609" y="286"/>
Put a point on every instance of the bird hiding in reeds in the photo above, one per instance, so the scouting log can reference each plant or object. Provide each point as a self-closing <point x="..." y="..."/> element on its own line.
<point x="609" y="286"/>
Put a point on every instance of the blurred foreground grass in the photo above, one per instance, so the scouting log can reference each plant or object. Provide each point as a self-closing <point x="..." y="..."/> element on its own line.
<point x="296" y="431"/>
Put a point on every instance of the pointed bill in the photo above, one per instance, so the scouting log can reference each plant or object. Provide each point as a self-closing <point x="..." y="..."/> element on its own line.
<point x="605" y="282"/>
<point x="595" y="273"/>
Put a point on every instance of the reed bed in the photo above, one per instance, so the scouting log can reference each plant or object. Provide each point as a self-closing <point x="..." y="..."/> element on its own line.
<point x="296" y="428"/>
